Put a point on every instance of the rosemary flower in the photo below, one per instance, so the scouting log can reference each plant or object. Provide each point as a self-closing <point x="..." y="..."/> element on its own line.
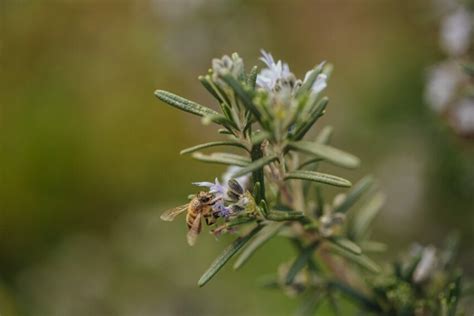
<point x="277" y="77"/>
<point x="229" y="174"/>
<point x="216" y="188"/>
<point x="233" y="65"/>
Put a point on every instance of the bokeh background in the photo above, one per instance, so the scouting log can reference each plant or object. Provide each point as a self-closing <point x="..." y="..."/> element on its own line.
<point x="89" y="158"/>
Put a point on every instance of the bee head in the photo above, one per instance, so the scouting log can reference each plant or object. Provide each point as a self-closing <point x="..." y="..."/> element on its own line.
<point x="204" y="197"/>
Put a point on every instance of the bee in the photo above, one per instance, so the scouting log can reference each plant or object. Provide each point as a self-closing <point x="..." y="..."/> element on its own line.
<point x="200" y="206"/>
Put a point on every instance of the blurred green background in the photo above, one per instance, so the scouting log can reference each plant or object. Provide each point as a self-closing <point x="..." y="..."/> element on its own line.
<point x="89" y="158"/>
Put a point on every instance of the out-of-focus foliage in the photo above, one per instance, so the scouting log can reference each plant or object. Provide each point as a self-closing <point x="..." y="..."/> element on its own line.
<point x="84" y="146"/>
<point x="450" y="86"/>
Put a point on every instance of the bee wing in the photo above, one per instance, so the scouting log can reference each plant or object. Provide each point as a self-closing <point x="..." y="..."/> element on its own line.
<point x="194" y="230"/>
<point x="170" y="214"/>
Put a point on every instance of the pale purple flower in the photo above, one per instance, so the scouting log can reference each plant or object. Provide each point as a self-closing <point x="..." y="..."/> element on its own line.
<point x="216" y="188"/>
<point x="269" y="77"/>
<point x="220" y="210"/>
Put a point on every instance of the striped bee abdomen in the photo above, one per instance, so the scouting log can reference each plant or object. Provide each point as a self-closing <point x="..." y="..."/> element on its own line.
<point x="193" y="210"/>
<point x="190" y="217"/>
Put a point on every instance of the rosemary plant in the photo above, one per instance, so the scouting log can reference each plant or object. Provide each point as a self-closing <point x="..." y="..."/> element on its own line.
<point x="273" y="187"/>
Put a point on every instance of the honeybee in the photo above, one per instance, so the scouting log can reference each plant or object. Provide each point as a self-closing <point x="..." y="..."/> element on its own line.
<point x="200" y="206"/>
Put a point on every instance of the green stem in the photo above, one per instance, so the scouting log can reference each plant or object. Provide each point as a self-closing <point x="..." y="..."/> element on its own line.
<point x="258" y="176"/>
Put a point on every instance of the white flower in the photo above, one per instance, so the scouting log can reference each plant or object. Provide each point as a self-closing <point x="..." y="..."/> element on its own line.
<point x="427" y="264"/>
<point x="456" y="32"/>
<point x="463" y="116"/>
<point x="443" y="81"/>
<point x="275" y="75"/>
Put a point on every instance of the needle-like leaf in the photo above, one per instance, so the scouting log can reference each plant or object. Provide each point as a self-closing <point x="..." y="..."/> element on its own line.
<point x="301" y="261"/>
<point x="279" y="216"/>
<point x="366" y="215"/>
<point x="355" y="194"/>
<point x="231" y="250"/>
<point x="222" y="158"/>
<point x="311" y="79"/>
<point x="243" y="95"/>
<point x="184" y="104"/>
<point x="255" y="165"/>
<point x="314" y="115"/>
<point x="329" y="153"/>
<point x="252" y="78"/>
<point x="318" y="177"/>
<point x="265" y="235"/>
<point x="212" y="144"/>
<point x="361" y="260"/>
<point x="355" y="295"/>
<point x="346" y="244"/>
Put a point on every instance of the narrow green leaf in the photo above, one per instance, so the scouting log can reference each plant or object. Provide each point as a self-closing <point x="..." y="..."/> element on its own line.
<point x="205" y="81"/>
<point x="331" y="154"/>
<point x="366" y="215"/>
<point x="309" y="162"/>
<point x="314" y="115"/>
<point x="318" y="177"/>
<point x="184" y="104"/>
<point x="298" y="245"/>
<point x="355" y="194"/>
<point x="212" y="144"/>
<point x="243" y="95"/>
<point x="300" y="262"/>
<point x="231" y="250"/>
<point x="224" y="131"/>
<point x="255" y="165"/>
<point x="220" y="120"/>
<point x="259" y="137"/>
<point x="256" y="153"/>
<point x="324" y="135"/>
<point x="265" y="235"/>
<point x="372" y="246"/>
<point x="279" y="216"/>
<point x="454" y="293"/>
<point x="311" y="79"/>
<point x="262" y="205"/>
<point x="357" y="296"/>
<point x="310" y="304"/>
<point x="361" y="260"/>
<point x="222" y="158"/>
<point x="252" y="77"/>
<point x="346" y="244"/>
